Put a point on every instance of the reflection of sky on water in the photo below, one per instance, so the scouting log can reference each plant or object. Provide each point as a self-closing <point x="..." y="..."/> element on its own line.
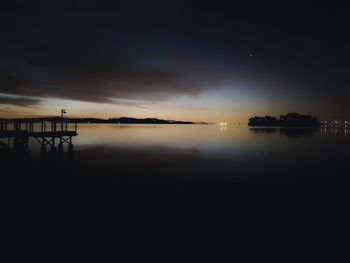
<point x="225" y="142"/>
<point x="207" y="139"/>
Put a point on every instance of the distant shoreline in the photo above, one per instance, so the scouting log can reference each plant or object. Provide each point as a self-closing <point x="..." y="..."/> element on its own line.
<point x="288" y="121"/>
<point x="128" y="120"/>
<point x="121" y="120"/>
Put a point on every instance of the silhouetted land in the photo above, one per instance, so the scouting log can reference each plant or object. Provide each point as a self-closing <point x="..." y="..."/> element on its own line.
<point x="288" y="120"/>
<point x="121" y="120"/>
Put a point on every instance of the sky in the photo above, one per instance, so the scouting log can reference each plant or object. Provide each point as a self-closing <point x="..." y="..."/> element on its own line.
<point x="184" y="60"/>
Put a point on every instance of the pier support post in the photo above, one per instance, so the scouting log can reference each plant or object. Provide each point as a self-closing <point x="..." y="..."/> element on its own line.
<point x="42" y="152"/>
<point x="60" y="145"/>
<point x="60" y="148"/>
<point x="70" y="148"/>
<point x="53" y="149"/>
<point x="70" y="151"/>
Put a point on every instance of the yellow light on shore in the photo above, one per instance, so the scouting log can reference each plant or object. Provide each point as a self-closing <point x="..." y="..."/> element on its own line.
<point x="223" y="123"/>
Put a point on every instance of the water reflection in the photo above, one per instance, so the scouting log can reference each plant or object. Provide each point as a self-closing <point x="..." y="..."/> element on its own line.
<point x="12" y="153"/>
<point x="335" y="131"/>
<point x="289" y="132"/>
<point x="231" y="142"/>
<point x="238" y="156"/>
<point x="175" y="136"/>
<point x="223" y="128"/>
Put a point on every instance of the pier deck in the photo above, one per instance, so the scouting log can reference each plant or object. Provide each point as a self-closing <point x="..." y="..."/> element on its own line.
<point x="16" y="133"/>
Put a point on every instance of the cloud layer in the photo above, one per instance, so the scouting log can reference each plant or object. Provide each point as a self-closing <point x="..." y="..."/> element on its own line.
<point x="22" y="102"/>
<point x="140" y="52"/>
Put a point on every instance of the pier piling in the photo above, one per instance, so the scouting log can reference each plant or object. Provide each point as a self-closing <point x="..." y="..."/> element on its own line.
<point x="15" y="133"/>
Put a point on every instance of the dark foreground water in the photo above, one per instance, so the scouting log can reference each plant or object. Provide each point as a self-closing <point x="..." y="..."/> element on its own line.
<point x="192" y="162"/>
<point x="165" y="174"/>
<point x="194" y="158"/>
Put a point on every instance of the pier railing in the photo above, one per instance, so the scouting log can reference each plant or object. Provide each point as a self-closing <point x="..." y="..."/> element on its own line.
<point x="35" y="125"/>
<point x="45" y="131"/>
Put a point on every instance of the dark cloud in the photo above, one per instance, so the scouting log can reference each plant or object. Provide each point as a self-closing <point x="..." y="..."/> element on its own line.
<point x="99" y="82"/>
<point x="22" y="102"/>
<point x="116" y="52"/>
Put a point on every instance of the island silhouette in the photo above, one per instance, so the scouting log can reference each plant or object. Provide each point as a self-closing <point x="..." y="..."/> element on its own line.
<point x="289" y="120"/>
<point x="119" y="120"/>
<point x="129" y="120"/>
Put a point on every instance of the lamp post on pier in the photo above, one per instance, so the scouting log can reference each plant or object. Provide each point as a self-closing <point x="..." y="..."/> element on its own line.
<point x="63" y="111"/>
<point x="60" y="145"/>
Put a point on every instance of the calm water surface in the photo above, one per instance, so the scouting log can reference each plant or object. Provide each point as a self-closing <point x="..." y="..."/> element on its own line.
<point x="183" y="136"/>
<point x="161" y="159"/>
<point x="222" y="142"/>
<point x="205" y="150"/>
<point x="209" y="140"/>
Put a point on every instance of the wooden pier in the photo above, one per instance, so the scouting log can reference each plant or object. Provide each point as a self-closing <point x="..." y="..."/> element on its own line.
<point x="48" y="132"/>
